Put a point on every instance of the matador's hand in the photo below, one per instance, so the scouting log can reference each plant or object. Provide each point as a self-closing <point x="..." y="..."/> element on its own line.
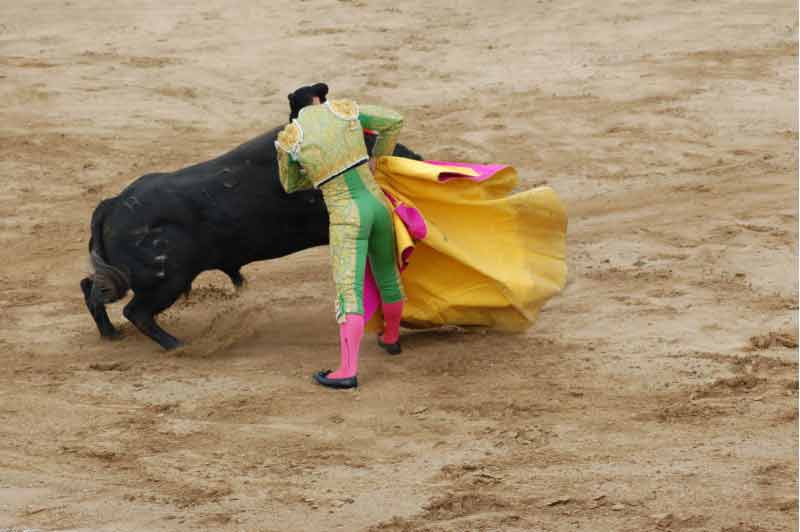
<point x="372" y="164"/>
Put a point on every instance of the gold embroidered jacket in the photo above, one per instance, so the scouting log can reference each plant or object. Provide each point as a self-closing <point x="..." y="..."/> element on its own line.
<point x="325" y="140"/>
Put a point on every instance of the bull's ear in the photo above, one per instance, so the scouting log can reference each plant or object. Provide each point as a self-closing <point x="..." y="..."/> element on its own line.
<point x="291" y="97"/>
<point x="320" y="90"/>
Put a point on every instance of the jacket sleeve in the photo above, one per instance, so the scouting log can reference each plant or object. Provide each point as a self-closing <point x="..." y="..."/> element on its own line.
<point x="386" y="122"/>
<point x="292" y="178"/>
<point x="290" y="173"/>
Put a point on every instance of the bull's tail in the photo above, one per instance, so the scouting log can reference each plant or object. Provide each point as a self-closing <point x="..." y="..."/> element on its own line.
<point x="109" y="284"/>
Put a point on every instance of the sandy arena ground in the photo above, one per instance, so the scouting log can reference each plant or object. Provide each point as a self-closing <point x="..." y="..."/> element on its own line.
<point x="658" y="392"/>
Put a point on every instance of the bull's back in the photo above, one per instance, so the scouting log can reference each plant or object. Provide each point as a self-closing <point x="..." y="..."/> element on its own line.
<point x="221" y="213"/>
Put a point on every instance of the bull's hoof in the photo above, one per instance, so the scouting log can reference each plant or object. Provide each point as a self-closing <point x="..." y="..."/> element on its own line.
<point x="172" y="344"/>
<point x="112" y="335"/>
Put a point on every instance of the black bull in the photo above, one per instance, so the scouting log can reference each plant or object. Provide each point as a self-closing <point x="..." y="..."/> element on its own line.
<point x="164" y="229"/>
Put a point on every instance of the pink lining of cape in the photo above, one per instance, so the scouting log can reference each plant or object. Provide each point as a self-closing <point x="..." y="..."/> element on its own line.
<point x="485" y="171"/>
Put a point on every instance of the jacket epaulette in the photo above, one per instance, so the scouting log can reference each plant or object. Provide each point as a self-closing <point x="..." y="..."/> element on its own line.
<point x="290" y="138"/>
<point x="344" y="109"/>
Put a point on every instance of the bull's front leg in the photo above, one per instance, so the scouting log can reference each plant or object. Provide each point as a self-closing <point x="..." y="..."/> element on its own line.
<point x="98" y="312"/>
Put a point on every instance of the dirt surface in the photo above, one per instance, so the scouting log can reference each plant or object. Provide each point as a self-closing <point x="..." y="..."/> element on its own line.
<point x="658" y="392"/>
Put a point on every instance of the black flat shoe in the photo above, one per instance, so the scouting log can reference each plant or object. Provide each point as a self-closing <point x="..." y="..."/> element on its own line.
<point x="340" y="384"/>
<point x="392" y="349"/>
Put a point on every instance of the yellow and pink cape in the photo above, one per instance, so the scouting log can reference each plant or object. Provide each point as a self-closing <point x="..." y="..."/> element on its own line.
<point x="482" y="256"/>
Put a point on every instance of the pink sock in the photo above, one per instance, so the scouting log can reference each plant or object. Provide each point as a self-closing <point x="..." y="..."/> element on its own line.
<point x="392" y="313"/>
<point x="350" y="333"/>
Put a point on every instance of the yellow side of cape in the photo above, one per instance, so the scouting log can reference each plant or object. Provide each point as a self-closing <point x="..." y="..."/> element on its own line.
<point x="490" y="258"/>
